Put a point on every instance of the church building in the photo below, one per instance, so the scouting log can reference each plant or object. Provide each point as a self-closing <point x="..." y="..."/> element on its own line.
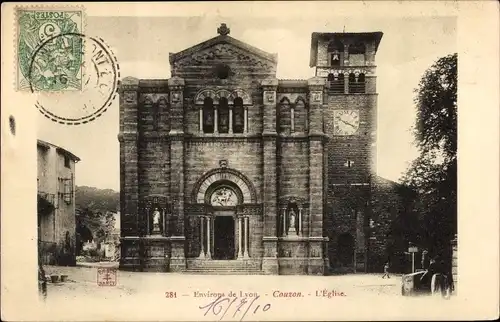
<point x="225" y="168"/>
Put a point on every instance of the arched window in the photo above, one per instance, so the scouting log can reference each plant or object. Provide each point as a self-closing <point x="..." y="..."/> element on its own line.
<point x="300" y="116"/>
<point x="357" y="54"/>
<point x="238" y="115"/>
<point x="336" y="53"/>
<point x="356" y="83"/>
<point x="223" y="115"/>
<point x="285" y="116"/>
<point x="160" y="109"/>
<point x="336" y="82"/>
<point x="208" y="115"/>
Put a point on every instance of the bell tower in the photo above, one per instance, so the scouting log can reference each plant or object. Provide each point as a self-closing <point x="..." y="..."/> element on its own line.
<point x="347" y="62"/>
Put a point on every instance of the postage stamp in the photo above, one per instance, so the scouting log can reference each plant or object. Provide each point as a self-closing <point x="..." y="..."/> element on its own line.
<point x="59" y="59"/>
<point x="106" y="276"/>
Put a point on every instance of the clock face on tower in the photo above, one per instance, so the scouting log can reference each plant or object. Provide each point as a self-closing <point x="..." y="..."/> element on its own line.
<point x="346" y="122"/>
<point x="224" y="197"/>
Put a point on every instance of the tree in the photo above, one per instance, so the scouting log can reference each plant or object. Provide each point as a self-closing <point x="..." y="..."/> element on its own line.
<point x="97" y="199"/>
<point x="433" y="174"/>
<point x="101" y="224"/>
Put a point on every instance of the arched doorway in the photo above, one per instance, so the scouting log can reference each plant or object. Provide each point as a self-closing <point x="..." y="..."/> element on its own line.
<point x="224" y="232"/>
<point x="345" y="250"/>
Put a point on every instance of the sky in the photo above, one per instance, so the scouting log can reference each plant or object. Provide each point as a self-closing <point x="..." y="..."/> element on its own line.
<point x="408" y="47"/>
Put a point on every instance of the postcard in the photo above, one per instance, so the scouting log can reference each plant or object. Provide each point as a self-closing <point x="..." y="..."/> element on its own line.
<point x="250" y="161"/>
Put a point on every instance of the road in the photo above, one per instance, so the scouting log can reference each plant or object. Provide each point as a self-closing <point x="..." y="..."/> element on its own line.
<point x="146" y="296"/>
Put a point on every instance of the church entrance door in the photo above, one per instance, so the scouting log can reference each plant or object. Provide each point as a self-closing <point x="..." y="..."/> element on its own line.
<point x="224" y="246"/>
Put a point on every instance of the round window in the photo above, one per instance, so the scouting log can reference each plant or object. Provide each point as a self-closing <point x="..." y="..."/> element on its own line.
<point x="222" y="71"/>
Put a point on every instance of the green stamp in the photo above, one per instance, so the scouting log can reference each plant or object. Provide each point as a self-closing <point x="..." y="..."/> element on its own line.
<point x="49" y="49"/>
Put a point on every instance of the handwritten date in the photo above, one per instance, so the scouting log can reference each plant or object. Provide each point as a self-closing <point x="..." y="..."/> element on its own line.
<point x="234" y="306"/>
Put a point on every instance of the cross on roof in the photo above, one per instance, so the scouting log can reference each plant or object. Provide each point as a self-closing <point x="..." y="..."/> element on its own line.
<point x="223" y="30"/>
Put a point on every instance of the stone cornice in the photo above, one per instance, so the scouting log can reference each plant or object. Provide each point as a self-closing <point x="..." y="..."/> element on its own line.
<point x="352" y="94"/>
<point x="250" y="209"/>
<point x="317" y="136"/>
<point x="206" y="138"/>
<point x="127" y="136"/>
<point x="292" y="83"/>
<point x="176" y="136"/>
<point x="153" y="83"/>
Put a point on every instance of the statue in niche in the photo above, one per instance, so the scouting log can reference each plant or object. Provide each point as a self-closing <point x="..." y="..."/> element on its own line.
<point x="156" y="221"/>
<point x="291" y="217"/>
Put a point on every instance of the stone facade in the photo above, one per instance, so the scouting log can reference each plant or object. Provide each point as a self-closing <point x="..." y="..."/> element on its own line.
<point x="225" y="162"/>
<point x="56" y="204"/>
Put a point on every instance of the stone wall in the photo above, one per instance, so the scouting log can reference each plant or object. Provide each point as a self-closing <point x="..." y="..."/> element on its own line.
<point x="241" y="154"/>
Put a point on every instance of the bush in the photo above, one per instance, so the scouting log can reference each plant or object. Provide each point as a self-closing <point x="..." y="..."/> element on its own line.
<point x="93" y="254"/>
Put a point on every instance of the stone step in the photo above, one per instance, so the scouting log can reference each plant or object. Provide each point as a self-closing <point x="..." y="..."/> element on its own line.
<point x="222" y="269"/>
<point x="209" y="272"/>
<point x="220" y="265"/>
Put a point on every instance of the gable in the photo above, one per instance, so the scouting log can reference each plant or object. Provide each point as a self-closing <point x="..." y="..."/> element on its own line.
<point x="223" y="48"/>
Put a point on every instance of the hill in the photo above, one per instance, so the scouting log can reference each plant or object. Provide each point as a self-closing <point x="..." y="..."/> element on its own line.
<point x="96" y="199"/>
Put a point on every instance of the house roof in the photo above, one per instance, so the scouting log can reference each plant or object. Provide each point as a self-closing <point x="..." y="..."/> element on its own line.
<point x="223" y="39"/>
<point x="59" y="149"/>
<point x="376" y="36"/>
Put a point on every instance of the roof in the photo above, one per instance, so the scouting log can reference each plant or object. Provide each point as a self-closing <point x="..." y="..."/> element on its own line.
<point x="59" y="149"/>
<point x="376" y="36"/>
<point x="223" y="39"/>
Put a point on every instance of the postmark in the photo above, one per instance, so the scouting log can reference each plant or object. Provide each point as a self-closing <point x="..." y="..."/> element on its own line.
<point x="99" y="84"/>
<point x="58" y="66"/>
<point x="106" y="276"/>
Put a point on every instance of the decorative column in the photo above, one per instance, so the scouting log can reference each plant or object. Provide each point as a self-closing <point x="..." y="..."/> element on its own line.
<point x="216" y="119"/>
<point x="316" y="137"/>
<point x="163" y="220"/>
<point x="240" y="235"/>
<point x="176" y="136"/>
<point x="166" y="215"/>
<point x="209" y="255"/>
<point x="148" y="219"/>
<point x="201" y="119"/>
<point x="245" y="117"/>
<point x="300" y="221"/>
<point x="270" y="183"/>
<point x="246" y="238"/>
<point x="202" y="241"/>
<point x="230" y="120"/>
<point x="283" y="222"/>
<point x="292" y="120"/>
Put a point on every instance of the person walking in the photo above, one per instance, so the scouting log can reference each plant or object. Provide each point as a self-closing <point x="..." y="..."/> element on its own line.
<point x="386" y="270"/>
